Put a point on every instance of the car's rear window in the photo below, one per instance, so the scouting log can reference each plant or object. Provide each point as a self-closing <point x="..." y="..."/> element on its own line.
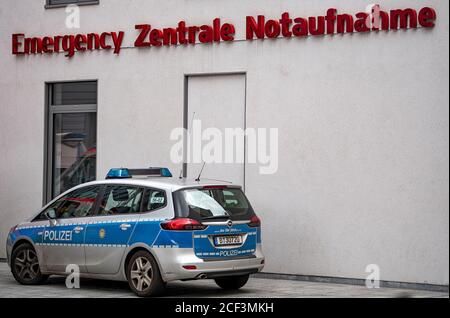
<point x="205" y="203"/>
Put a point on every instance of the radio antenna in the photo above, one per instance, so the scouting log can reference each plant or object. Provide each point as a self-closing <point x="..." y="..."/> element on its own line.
<point x="199" y="175"/>
<point x="189" y="128"/>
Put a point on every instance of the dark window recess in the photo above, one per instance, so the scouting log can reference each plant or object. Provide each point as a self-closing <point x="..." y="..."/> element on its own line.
<point x="120" y="200"/>
<point x="154" y="200"/>
<point x="78" y="203"/>
<point x="74" y="93"/>
<point x="53" y="206"/>
<point x="66" y="2"/>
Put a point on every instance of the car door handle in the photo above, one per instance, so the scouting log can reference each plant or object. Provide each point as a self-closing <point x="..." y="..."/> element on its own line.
<point x="125" y="226"/>
<point x="78" y="229"/>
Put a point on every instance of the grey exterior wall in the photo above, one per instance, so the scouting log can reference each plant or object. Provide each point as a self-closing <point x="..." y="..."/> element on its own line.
<point x="363" y="122"/>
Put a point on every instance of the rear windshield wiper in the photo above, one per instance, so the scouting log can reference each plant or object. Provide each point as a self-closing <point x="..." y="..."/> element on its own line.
<point x="216" y="217"/>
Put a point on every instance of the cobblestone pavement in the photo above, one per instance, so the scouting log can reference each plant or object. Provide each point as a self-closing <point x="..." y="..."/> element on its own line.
<point x="256" y="287"/>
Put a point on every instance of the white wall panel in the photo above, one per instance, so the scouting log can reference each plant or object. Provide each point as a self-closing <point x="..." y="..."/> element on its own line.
<point x="217" y="102"/>
<point x="363" y="125"/>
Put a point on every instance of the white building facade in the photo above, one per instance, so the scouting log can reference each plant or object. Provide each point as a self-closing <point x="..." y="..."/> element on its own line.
<point x="362" y="174"/>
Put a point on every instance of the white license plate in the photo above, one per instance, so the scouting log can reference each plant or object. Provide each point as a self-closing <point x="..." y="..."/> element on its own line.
<point x="228" y="240"/>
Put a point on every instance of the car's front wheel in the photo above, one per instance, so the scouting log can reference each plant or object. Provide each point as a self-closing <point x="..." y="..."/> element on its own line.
<point x="144" y="276"/>
<point x="25" y="266"/>
<point x="233" y="282"/>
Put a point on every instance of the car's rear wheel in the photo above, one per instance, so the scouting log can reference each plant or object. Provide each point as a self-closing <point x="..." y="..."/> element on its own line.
<point x="233" y="282"/>
<point x="144" y="276"/>
<point x="25" y="266"/>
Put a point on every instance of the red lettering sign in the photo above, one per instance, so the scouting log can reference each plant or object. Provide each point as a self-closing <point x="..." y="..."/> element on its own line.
<point x="333" y="23"/>
<point x="256" y="28"/>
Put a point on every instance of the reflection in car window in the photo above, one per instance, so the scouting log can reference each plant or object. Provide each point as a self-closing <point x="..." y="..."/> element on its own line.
<point x="78" y="203"/>
<point x="120" y="200"/>
<point x="54" y="205"/>
<point x="203" y="203"/>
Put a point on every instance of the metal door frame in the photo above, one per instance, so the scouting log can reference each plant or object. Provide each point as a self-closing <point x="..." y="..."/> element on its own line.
<point x="50" y="111"/>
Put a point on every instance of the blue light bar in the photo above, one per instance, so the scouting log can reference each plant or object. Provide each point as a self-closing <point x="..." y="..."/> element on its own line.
<point x="165" y="172"/>
<point x="118" y="173"/>
<point x="122" y="173"/>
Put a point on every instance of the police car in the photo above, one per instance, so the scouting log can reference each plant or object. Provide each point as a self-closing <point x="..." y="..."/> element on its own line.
<point x="145" y="227"/>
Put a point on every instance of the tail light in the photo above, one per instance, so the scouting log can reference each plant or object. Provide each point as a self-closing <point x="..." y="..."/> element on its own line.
<point x="190" y="267"/>
<point x="13" y="229"/>
<point x="182" y="224"/>
<point x="254" y="221"/>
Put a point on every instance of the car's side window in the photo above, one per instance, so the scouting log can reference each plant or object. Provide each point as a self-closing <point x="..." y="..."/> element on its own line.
<point x="54" y="206"/>
<point x="121" y="199"/>
<point x="154" y="199"/>
<point x="79" y="203"/>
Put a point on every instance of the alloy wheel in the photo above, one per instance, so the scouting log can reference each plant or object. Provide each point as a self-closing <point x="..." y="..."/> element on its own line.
<point x="27" y="265"/>
<point x="141" y="274"/>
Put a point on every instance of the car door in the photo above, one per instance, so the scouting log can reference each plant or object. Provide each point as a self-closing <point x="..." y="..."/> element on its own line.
<point x="108" y="234"/>
<point x="63" y="239"/>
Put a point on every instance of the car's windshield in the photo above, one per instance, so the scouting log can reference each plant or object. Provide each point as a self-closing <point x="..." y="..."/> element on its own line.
<point x="210" y="203"/>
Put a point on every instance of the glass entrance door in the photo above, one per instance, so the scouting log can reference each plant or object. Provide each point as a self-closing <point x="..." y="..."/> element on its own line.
<point x="74" y="150"/>
<point x="72" y="136"/>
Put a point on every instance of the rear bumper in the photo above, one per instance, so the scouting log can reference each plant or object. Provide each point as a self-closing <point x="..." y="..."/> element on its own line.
<point x="172" y="261"/>
<point x="221" y="274"/>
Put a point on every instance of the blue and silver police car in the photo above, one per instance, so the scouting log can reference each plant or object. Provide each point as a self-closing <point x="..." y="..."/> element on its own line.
<point x="145" y="227"/>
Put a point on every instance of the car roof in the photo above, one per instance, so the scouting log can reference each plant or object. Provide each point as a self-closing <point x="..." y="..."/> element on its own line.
<point x="164" y="183"/>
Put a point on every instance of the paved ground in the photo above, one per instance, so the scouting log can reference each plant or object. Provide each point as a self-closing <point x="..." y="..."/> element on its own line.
<point x="256" y="287"/>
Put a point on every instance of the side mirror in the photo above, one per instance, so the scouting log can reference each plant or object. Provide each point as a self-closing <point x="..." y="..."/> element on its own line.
<point x="51" y="216"/>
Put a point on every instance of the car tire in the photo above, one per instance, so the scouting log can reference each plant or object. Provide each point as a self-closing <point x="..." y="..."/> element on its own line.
<point x="233" y="282"/>
<point x="144" y="276"/>
<point x="25" y="266"/>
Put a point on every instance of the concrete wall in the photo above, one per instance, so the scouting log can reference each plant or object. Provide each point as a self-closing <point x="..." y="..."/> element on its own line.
<point x="363" y="122"/>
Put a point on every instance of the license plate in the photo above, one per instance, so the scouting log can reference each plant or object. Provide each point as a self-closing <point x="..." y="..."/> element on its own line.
<point x="228" y="240"/>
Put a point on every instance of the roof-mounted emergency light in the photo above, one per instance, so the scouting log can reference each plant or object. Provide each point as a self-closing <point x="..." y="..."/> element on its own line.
<point x="124" y="173"/>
